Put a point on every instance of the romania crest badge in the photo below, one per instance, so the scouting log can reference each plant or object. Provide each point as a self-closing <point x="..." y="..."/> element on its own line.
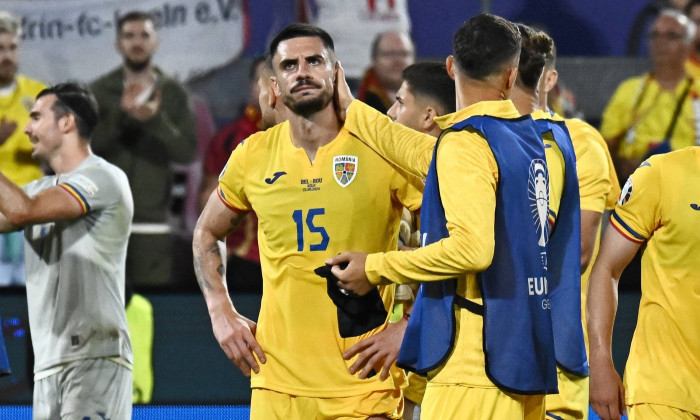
<point x="344" y="169"/>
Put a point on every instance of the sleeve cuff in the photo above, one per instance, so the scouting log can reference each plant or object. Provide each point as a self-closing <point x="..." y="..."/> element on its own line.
<point x="625" y="230"/>
<point x="223" y="199"/>
<point x="373" y="262"/>
<point x="593" y="204"/>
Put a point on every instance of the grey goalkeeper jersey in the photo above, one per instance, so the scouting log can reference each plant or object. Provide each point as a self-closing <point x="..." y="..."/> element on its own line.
<point x="75" y="269"/>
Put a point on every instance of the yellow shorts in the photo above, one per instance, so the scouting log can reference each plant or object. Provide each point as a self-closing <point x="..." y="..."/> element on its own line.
<point x="270" y="405"/>
<point x="415" y="389"/>
<point x="571" y="403"/>
<point x="657" y="411"/>
<point x="462" y="402"/>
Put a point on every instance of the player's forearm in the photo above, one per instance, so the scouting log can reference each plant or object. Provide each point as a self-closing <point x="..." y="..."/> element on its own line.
<point x="448" y="258"/>
<point x="209" y="268"/>
<point x="468" y="195"/>
<point x="601" y="310"/>
<point x="15" y="205"/>
<point x="406" y="148"/>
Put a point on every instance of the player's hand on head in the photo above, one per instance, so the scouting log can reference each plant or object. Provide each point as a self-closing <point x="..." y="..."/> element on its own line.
<point x="343" y="96"/>
<point x="353" y="278"/>
<point x="378" y="352"/>
<point x="236" y="336"/>
<point x="607" y="393"/>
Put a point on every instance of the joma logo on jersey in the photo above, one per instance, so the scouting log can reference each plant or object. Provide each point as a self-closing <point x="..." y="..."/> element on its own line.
<point x="344" y="169"/>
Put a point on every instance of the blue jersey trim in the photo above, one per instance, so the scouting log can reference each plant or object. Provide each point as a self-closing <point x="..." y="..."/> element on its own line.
<point x="626" y="226"/>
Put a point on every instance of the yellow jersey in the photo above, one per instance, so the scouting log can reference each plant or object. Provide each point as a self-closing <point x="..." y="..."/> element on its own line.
<point x="640" y="112"/>
<point x="16" y="160"/>
<point x="599" y="187"/>
<point x="467" y="158"/>
<point x="348" y="198"/>
<point x="660" y="206"/>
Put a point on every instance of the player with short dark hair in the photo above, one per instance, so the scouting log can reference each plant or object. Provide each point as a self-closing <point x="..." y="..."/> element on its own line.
<point x="427" y="91"/>
<point x="316" y="190"/>
<point x="76" y="225"/>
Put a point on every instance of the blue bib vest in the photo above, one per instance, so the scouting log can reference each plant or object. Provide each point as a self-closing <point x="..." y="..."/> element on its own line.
<point x="518" y="329"/>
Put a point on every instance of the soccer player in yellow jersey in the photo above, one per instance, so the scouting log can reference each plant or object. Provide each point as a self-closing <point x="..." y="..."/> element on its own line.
<point x="468" y="178"/>
<point x="599" y="189"/>
<point x="317" y="191"/>
<point x="659" y="208"/>
<point x="17" y="95"/>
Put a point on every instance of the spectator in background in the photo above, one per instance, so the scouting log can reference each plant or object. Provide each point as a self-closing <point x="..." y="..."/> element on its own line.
<point x="241" y="244"/>
<point x="692" y="64"/>
<point x="648" y="14"/>
<point x="392" y="52"/>
<point x="17" y="95"/>
<point x="658" y="111"/>
<point x="145" y="125"/>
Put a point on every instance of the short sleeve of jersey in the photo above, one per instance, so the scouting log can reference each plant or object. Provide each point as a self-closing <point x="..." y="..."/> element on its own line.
<point x="232" y="179"/>
<point x="637" y="212"/>
<point x="94" y="187"/>
<point x="593" y="175"/>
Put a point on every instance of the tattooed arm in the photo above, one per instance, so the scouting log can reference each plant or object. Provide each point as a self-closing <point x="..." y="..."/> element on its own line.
<point x="234" y="332"/>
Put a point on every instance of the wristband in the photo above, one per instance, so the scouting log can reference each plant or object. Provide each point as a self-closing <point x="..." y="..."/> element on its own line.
<point x="396" y="314"/>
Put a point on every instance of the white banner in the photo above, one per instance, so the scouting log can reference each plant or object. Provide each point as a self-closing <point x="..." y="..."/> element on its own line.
<point x="75" y="39"/>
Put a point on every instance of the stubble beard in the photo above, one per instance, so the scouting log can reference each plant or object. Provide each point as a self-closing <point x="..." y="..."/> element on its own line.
<point x="307" y="108"/>
<point x="137" y="66"/>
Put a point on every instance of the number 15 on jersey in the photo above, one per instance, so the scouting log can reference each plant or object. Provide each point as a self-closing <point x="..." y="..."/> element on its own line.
<point x="314" y="231"/>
